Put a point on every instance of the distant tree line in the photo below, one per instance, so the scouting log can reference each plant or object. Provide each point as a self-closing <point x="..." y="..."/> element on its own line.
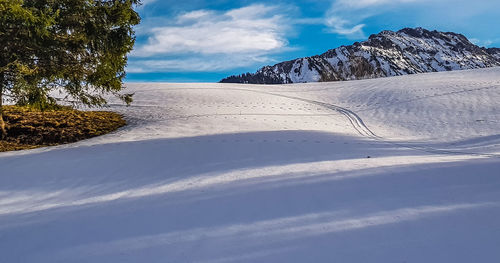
<point x="252" y="78"/>
<point x="79" y="46"/>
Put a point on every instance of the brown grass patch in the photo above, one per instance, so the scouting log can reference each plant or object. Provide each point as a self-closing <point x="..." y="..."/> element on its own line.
<point x="28" y="128"/>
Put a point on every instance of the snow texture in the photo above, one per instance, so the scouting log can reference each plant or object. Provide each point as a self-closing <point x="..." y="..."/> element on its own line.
<point x="248" y="173"/>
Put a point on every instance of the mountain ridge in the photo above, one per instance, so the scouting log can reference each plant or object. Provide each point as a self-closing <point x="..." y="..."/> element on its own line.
<point x="388" y="53"/>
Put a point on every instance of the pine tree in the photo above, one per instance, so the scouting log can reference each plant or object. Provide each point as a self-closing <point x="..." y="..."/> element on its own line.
<point x="21" y="30"/>
<point x="80" y="46"/>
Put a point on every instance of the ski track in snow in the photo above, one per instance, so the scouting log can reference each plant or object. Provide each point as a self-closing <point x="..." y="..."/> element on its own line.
<point x="401" y="169"/>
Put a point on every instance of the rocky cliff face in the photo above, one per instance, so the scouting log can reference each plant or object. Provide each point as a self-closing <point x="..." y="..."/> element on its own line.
<point x="495" y="52"/>
<point x="388" y="53"/>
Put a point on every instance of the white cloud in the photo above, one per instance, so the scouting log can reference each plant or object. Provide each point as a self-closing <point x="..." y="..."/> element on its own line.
<point x="194" y="15"/>
<point x="369" y="3"/>
<point x="217" y="63"/>
<point x="252" y="29"/>
<point x="211" y="41"/>
<point x="341" y="26"/>
<point x="475" y="41"/>
<point x="345" y="17"/>
<point x="483" y="43"/>
<point x="488" y="43"/>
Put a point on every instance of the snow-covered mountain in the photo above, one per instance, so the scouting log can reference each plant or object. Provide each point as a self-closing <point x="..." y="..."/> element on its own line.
<point x="408" y="51"/>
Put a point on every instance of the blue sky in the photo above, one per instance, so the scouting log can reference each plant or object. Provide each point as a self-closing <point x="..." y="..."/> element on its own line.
<point x="206" y="40"/>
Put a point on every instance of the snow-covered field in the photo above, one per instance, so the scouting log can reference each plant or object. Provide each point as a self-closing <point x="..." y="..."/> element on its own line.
<point x="402" y="169"/>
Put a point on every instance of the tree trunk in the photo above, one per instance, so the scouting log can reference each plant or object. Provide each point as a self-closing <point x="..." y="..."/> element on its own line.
<point x="3" y="130"/>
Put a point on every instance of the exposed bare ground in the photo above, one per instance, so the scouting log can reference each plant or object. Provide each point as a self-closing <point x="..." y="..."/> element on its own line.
<point x="28" y="128"/>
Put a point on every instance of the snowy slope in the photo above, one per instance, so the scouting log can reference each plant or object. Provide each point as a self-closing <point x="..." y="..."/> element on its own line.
<point x="408" y="51"/>
<point x="248" y="173"/>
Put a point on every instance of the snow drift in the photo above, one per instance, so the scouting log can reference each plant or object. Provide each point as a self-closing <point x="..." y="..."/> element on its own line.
<point x="401" y="169"/>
